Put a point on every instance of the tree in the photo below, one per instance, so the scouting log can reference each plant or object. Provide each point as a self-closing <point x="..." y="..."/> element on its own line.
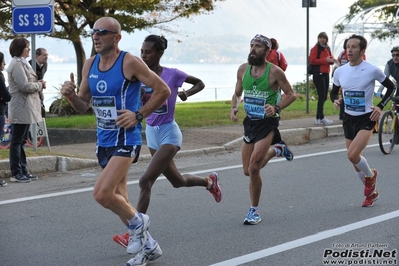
<point x="387" y="26"/>
<point x="74" y="18"/>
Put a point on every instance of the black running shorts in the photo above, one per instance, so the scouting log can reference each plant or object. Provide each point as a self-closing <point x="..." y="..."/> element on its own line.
<point x="353" y="124"/>
<point x="255" y="130"/>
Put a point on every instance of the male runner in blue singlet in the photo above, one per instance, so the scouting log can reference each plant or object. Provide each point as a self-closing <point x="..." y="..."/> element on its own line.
<point x="111" y="80"/>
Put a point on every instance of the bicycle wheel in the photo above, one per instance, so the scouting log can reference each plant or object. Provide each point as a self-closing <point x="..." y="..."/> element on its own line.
<point x="5" y="141"/>
<point x="386" y="132"/>
<point x="29" y="141"/>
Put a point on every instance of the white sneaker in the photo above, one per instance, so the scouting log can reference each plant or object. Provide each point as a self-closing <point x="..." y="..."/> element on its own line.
<point x="318" y="122"/>
<point x="138" y="236"/>
<point x="325" y="122"/>
<point x="146" y="255"/>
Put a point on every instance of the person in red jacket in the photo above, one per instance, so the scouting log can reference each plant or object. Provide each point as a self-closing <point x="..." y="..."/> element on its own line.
<point x="321" y="59"/>
<point x="276" y="57"/>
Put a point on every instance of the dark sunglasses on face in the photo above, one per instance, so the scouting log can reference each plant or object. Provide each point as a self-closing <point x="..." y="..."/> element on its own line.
<point x="395" y="55"/>
<point x="101" y="31"/>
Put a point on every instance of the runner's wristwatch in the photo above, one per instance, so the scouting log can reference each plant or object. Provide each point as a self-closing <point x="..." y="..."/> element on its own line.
<point x="277" y="109"/>
<point x="139" y="116"/>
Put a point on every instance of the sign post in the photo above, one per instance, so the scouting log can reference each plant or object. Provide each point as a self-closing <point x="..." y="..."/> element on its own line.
<point x="307" y="4"/>
<point x="33" y="17"/>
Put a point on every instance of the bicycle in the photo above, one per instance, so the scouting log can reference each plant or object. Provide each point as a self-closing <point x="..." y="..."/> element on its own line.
<point x="6" y="139"/>
<point x="388" y="128"/>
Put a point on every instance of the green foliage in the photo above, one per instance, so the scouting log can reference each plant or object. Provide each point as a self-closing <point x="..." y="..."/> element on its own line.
<point x="74" y="18"/>
<point x="61" y="106"/>
<point x="300" y="89"/>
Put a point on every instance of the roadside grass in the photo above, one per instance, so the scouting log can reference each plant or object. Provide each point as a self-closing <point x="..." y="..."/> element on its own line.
<point x="187" y="115"/>
<point x="198" y="114"/>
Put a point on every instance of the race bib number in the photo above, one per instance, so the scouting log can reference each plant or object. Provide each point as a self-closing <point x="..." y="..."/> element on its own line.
<point x="254" y="107"/>
<point x="105" y="109"/>
<point x="146" y="95"/>
<point x="355" y="101"/>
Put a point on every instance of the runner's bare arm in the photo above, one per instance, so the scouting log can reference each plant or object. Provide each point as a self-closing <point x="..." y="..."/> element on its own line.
<point x="285" y="86"/>
<point x="236" y="98"/>
<point x="81" y="101"/>
<point x="135" y="68"/>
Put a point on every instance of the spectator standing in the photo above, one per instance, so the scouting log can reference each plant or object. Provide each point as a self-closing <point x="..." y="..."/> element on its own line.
<point x="24" y="107"/>
<point x="391" y="70"/>
<point x="41" y="69"/>
<point x="276" y="57"/>
<point x="321" y="59"/>
<point x="4" y="98"/>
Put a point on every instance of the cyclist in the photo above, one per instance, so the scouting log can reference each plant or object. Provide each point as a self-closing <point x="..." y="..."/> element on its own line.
<point x="391" y="69"/>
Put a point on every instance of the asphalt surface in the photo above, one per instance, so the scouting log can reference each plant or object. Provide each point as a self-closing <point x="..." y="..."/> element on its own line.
<point x="196" y="138"/>
<point x="309" y="208"/>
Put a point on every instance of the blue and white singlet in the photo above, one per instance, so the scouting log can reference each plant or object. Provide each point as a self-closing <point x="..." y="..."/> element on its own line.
<point x="111" y="91"/>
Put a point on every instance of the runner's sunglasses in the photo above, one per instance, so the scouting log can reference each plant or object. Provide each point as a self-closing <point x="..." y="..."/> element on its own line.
<point x="101" y="31"/>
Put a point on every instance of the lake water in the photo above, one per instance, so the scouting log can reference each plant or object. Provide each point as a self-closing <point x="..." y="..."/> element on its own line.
<point x="219" y="79"/>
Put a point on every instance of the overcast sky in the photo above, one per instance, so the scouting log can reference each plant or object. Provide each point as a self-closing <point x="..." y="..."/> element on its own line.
<point x="284" y="20"/>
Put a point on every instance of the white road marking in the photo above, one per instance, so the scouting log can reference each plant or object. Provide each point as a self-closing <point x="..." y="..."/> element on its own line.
<point x="75" y="191"/>
<point x="265" y="252"/>
<point x="307" y="240"/>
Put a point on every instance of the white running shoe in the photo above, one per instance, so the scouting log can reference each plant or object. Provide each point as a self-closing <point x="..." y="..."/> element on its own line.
<point x="138" y="236"/>
<point x="325" y="122"/>
<point x="146" y="255"/>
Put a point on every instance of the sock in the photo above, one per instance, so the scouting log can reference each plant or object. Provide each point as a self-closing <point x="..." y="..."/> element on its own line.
<point x="135" y="221"/>
<point x="364" y="167"/>
<point x="150" y="241"/>
<point x="361" y="176"/>
<point x="278" y="151"/>
<point x="210" y="183"/>
<point x="255" y="208"/>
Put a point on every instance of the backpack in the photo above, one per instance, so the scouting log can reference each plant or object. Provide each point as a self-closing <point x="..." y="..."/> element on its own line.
<point x="311" y="69"/>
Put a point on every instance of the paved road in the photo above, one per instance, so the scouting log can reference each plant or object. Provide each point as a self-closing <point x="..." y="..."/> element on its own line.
<point x="309" y="207"/>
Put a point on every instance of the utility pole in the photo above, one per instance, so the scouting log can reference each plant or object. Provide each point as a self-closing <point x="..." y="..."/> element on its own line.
<point x="307" y="4"/>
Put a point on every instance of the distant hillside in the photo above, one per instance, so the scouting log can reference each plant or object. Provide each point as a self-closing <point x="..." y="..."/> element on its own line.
<point x="224" y="35"/>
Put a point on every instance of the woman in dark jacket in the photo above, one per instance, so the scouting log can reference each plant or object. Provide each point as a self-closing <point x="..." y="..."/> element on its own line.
<point x="4" y="97"/>
<point x="321" y="59"/>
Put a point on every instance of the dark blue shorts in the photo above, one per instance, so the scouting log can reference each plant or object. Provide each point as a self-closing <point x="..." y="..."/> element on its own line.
<point x="104" y="154"/>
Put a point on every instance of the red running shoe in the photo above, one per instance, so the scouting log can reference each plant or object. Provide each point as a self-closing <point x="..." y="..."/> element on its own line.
<point x="215" y="188"/>
<point x="122" y="240"/>
<point x="370" y="183"/>
<point x="369" y="201"/>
